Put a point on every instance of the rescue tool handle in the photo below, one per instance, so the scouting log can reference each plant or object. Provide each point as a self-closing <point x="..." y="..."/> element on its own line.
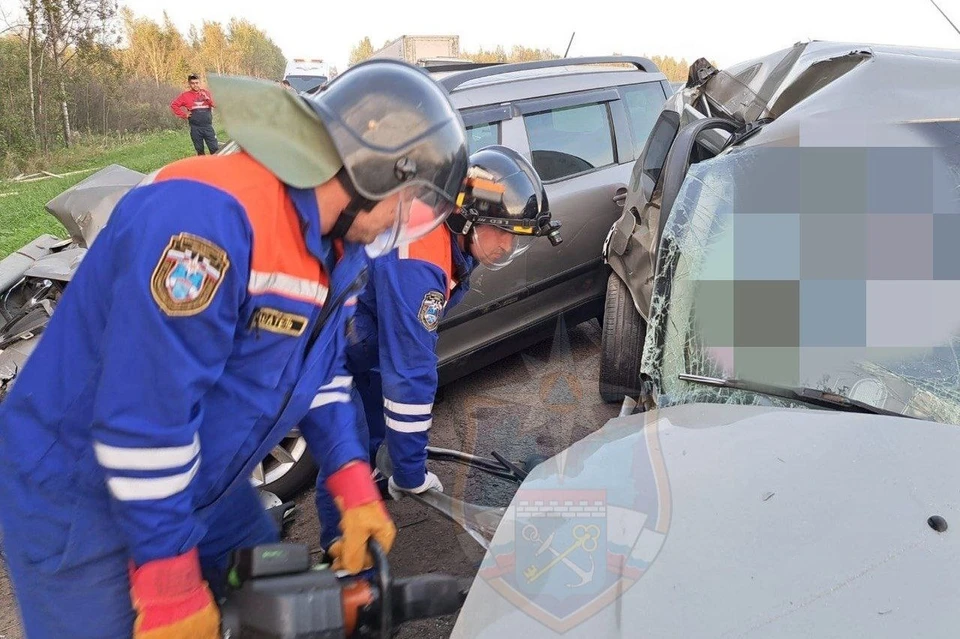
<point x="274" y="593"/>
<point x="384" y="581"/>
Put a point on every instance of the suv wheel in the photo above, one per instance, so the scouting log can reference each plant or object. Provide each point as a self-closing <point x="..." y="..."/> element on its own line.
<point x="621" y="343"/>
<point x="288" y="468"/>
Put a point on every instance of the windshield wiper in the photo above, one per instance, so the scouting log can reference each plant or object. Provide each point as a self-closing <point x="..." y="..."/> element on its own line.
<point x="823" y="399"/>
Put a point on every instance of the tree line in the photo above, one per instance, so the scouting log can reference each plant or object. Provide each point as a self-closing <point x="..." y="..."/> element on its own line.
<point x="73" y="68"/>
<point x="675" y="70"/>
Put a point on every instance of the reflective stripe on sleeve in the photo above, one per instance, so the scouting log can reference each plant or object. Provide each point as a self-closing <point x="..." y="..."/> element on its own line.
<point x="322" y="399"/>
<point x="287" y="286"/>
<point x="119" y="458"/>
<point x="140" y="488"/>
<point x="340" y="381"/>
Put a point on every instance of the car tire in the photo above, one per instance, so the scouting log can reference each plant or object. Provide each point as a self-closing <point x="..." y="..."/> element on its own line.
<point x="621" y="343"/>
<point x="300" y="475"/>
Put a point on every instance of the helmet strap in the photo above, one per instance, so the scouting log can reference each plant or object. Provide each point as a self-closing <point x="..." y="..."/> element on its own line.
<point x="348" y="215"/>
<point x="468" y="243"/>
<point x="460" y="222"/>
<point x="344" y="222"/>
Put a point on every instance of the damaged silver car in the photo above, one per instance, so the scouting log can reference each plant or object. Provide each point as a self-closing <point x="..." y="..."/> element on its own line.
<point x="788" y="467"/>
<point x="761" y="103"/>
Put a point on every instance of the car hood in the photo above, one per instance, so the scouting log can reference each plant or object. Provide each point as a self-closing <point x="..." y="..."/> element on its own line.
<point x="732" y="521"/>
<point x="84" y="208"/>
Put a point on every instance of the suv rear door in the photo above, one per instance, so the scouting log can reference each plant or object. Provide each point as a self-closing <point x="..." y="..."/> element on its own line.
<point x="571" y="143"/>
<point x="583" y="145"/>
<point x="579" y="144"/>
<point x="604" y="132"/>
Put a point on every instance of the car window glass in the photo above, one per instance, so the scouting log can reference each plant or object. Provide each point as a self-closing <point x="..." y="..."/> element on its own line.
<point x="658" y="145"/>
<point x="306" y="82"/>
<point x="644" y="103"/>
<point x="569" y="141"/>
<point x="481" y="135"/>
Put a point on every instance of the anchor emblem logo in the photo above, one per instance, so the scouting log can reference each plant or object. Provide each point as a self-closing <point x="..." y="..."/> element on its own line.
<point x="585" y="538"/>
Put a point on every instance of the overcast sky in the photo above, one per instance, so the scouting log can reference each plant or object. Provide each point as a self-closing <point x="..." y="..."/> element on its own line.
<point x="726" y="32"/>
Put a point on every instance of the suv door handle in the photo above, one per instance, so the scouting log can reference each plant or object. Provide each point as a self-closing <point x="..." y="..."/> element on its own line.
<point x="621" y="196"/>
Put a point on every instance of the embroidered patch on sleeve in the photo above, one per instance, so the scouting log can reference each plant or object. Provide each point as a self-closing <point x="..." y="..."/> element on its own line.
<point x="270" y="319"/>
<point x="188" y="275"/>
<point x="430" y="310"/>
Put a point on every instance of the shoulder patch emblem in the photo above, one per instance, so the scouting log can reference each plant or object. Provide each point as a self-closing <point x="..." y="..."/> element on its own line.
<point x="188" y="275"/>
<point x="430" y="310"/>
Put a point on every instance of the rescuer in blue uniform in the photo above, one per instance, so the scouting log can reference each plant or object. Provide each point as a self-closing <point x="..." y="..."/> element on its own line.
<point x="393" y="358"/>
<point x="207" y="320"/>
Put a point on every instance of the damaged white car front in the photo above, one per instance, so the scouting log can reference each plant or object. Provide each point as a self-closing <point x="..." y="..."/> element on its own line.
<point x="794" y="471"/>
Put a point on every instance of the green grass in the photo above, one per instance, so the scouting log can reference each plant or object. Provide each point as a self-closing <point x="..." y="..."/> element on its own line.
<point x="22" y="213"/>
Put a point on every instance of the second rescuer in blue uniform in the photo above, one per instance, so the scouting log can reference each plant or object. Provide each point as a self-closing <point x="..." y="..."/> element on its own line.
<point x="392" y="359"/>
<point x="207" y="320"/>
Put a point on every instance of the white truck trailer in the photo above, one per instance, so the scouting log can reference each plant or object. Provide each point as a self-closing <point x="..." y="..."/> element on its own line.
<point x="422" y="49"/>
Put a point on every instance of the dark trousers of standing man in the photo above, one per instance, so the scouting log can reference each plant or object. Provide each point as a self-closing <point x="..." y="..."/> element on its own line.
<point x="201" y="130"/>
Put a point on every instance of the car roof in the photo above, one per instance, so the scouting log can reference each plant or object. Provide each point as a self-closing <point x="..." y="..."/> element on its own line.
<point x="502" y="83"/>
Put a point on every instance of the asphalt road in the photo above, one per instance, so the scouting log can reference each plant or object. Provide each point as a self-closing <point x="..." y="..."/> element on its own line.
<point x="537" y="402"/>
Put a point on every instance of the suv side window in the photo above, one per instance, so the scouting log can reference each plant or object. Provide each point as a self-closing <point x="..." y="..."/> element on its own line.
<point x="571" y="140"/>
<point x="481" y="135"/>
<point x="643" y="103"/>
<point x="646" y="172"/>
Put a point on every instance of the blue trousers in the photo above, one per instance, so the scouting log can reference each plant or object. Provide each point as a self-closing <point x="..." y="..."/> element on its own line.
<point x="367" y="397"/>
<point x="68" y="563"/>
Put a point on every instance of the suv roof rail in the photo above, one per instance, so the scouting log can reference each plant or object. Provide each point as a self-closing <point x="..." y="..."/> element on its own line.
<point x="452" y="82"/>
<point x="457" y="66"/>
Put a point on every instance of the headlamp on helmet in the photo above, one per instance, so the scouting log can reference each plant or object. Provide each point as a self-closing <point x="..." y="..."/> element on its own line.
<point x="483" y="200"/>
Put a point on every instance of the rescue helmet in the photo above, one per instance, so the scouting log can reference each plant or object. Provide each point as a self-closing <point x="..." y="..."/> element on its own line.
<point x="396" y="131"/>
<point x="502" y="191"/>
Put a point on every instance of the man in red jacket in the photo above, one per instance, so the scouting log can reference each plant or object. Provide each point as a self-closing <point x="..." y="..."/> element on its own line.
<point x="199" y="106"/>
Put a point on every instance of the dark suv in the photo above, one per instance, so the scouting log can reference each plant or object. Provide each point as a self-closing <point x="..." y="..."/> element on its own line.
<point x="582" y="122"/>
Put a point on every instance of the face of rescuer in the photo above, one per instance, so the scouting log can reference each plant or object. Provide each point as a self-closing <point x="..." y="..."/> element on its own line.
<point x="491" y="246"/>
<point x="370" y="224"/>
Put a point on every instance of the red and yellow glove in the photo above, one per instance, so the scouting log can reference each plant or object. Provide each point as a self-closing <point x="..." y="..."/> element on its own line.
<point x="362" y="517"/>
<point x="172" y="601"/>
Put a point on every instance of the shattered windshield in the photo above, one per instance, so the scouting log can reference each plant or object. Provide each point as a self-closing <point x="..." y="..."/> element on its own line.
<point x="831" y="268"/>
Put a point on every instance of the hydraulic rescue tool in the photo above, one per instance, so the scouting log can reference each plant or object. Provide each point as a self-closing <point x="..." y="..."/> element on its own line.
<point x="273" y="592"/>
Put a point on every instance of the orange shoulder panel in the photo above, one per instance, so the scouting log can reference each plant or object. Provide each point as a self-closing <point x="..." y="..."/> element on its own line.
<point x="434" y="247"/>
<point x="278" y="244"/>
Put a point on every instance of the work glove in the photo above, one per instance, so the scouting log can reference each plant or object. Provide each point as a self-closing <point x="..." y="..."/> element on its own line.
<point x="172" y="601"/>
<point x="362" y="516"/>
<point x="429" y="481"/>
